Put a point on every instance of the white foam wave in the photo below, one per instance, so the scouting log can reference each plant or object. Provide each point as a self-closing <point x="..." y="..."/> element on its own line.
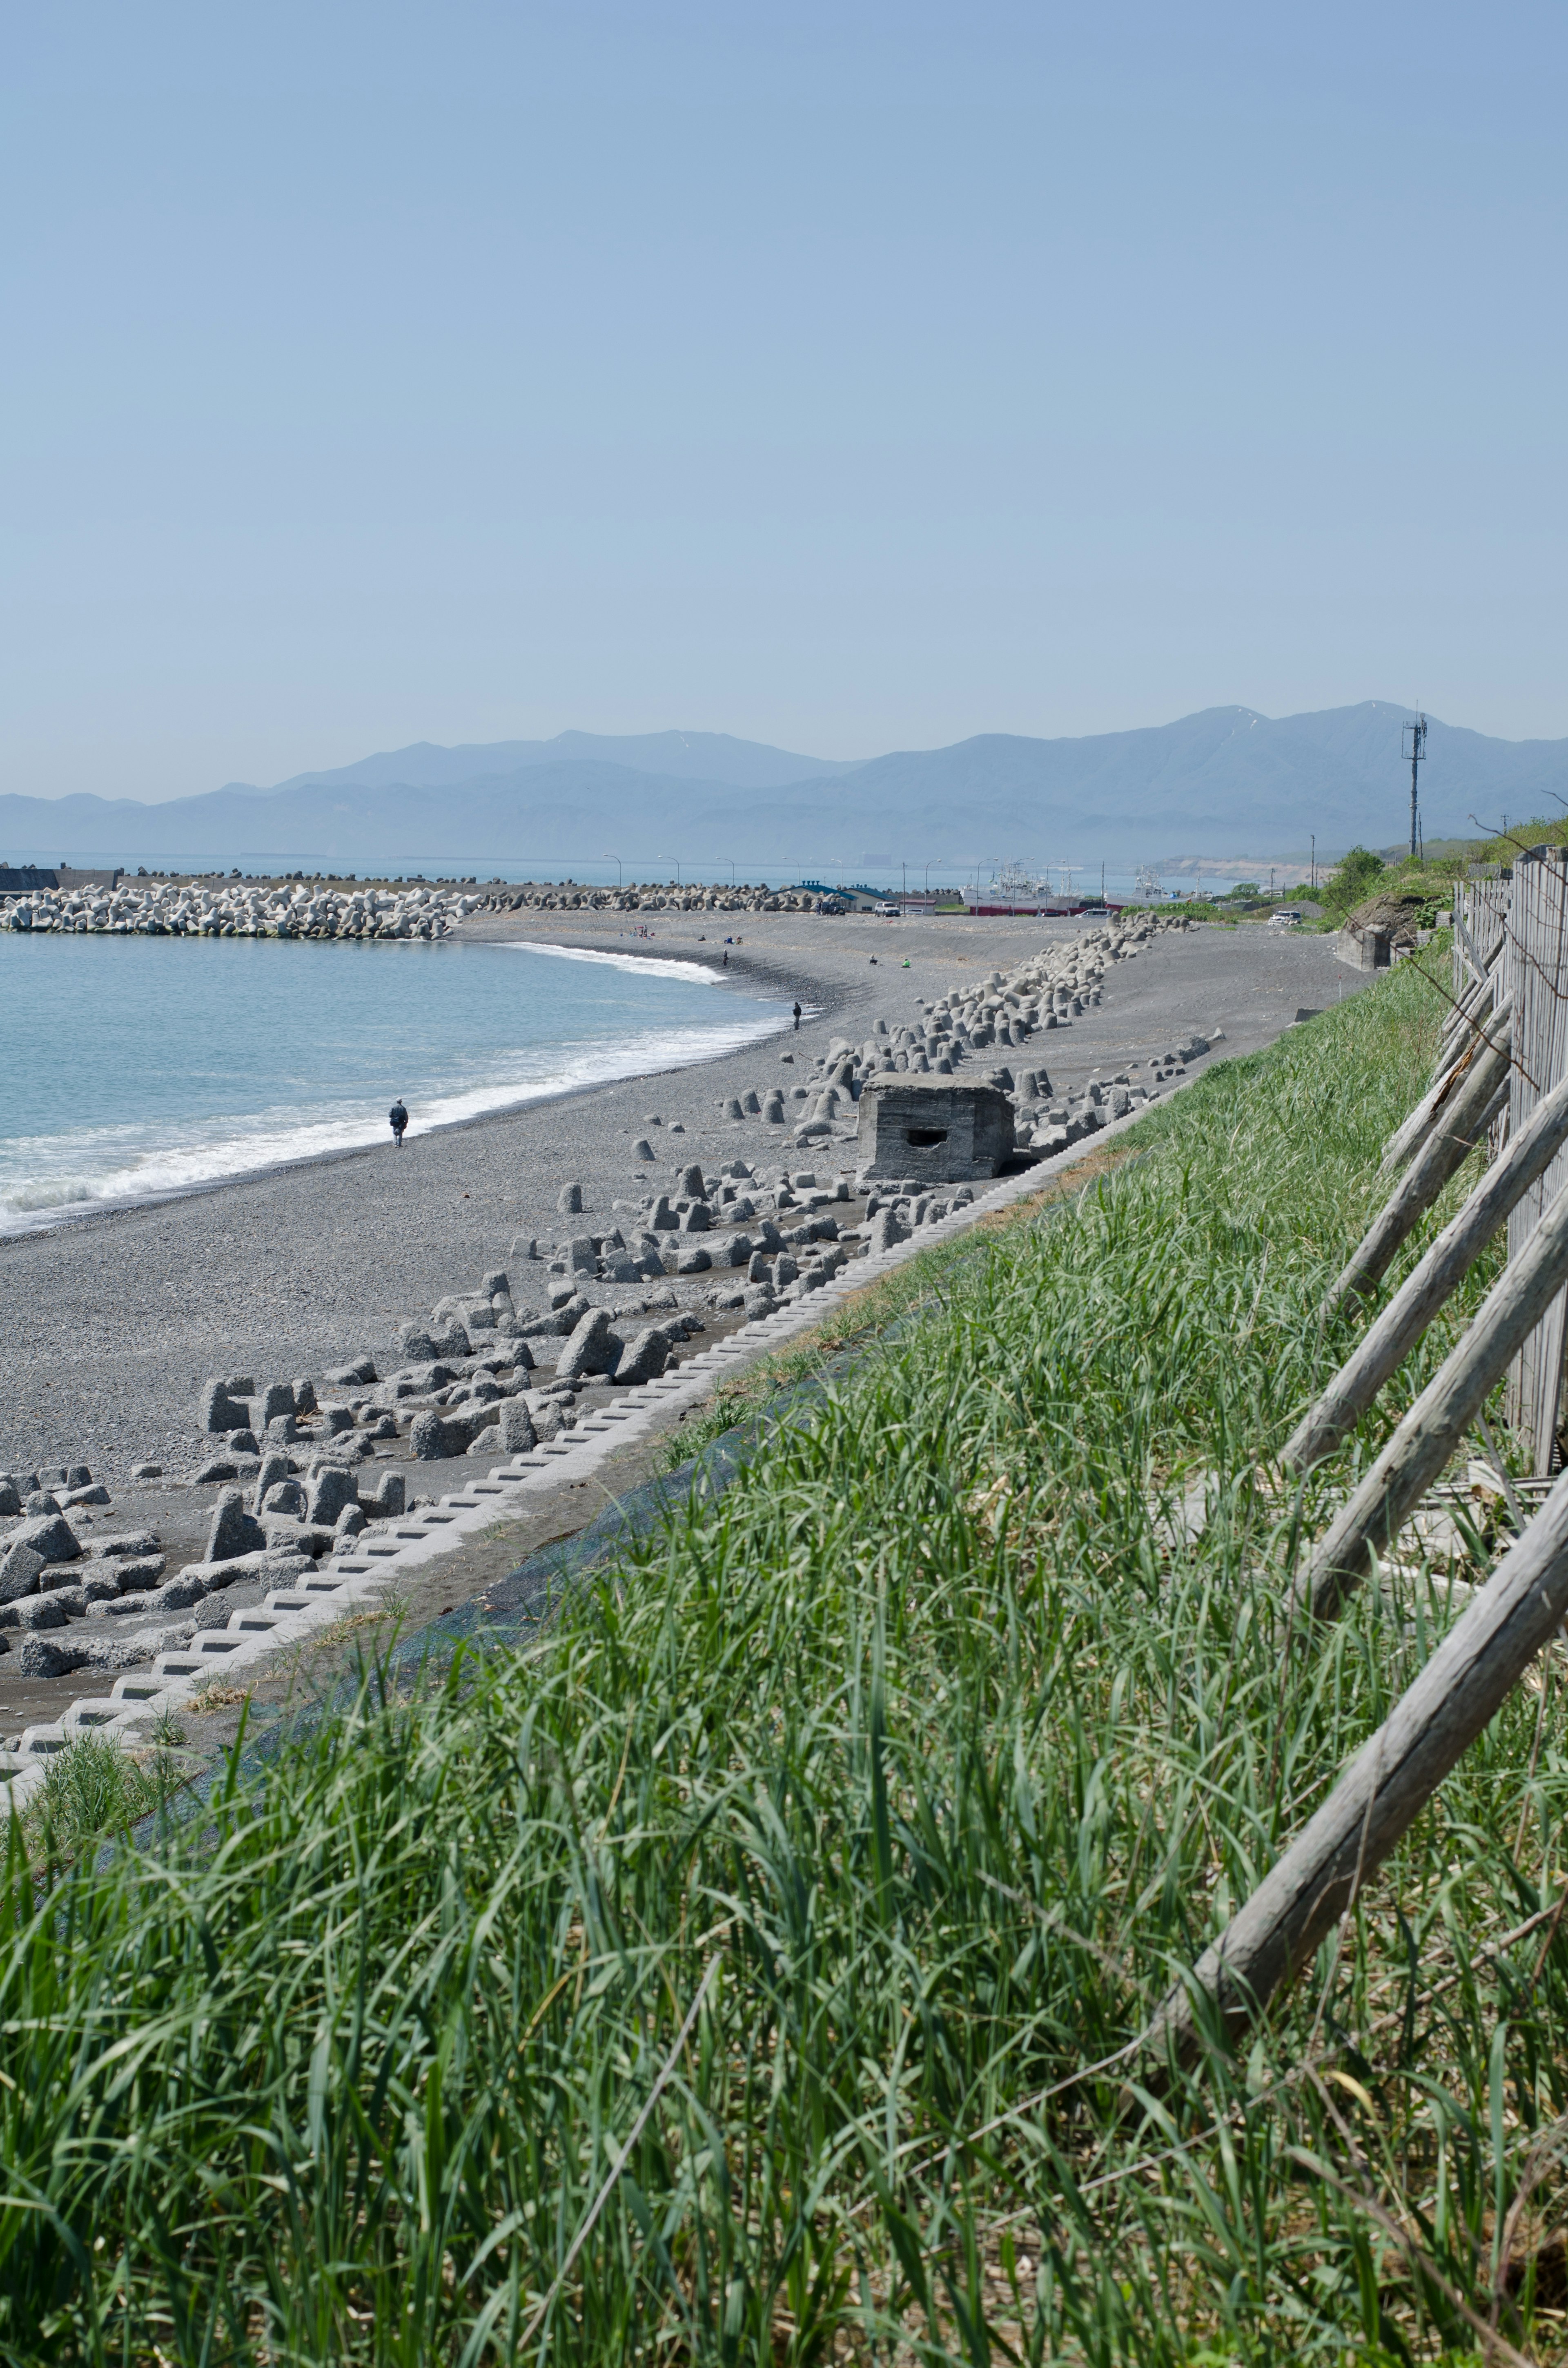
<point x="658" y="966"/>
<point x="54" y="1179"/>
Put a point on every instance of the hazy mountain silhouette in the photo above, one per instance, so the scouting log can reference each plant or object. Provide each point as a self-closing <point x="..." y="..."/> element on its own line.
<point x="686" y="756"/>
<point x="1227" y="782"/>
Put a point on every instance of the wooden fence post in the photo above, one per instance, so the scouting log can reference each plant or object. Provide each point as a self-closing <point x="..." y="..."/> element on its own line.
<point x="1385" y="1787"/>
<point x="1452" y="1064"/>
<point x="1538" y="953"/>
<point x="1387" y="1342"/>
<point x="1439" y="1420"/>
<point x="1453" y="1137"/>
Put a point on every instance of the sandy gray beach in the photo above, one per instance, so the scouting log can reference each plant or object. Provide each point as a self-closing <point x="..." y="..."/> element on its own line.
<point x="115" y="1321"/>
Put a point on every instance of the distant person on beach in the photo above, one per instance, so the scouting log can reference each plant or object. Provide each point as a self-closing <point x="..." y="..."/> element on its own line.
<point x="797" y="1018"/>
<point x="398" y="1117"/>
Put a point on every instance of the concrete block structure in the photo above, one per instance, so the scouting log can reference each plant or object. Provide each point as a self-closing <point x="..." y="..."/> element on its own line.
<point x="20" y="880"/>
<point x="933" y="1130"/>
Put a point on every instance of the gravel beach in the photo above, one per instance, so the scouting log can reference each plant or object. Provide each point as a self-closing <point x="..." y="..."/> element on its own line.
<point x="116" y="1320"/>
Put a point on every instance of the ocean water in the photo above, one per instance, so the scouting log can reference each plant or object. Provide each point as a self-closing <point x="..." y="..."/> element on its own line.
<point x="136" y="1067"/>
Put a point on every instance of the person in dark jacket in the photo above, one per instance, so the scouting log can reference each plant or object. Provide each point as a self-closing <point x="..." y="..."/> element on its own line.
<point x="797" y="1018"/>
<point x="398" y="1117"/>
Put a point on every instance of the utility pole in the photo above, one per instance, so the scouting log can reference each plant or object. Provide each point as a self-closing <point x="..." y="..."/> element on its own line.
<point x="1412" y="743"/>
<point x="1314" y="863"/>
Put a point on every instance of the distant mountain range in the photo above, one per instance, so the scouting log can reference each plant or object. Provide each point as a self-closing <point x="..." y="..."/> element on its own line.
<point x="678" y="756"/>
<point x="1226" y="783"/>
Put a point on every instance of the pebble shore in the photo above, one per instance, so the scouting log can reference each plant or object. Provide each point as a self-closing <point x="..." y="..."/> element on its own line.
<point x="718" y="1224"/>
<point x="120" y="1318"/>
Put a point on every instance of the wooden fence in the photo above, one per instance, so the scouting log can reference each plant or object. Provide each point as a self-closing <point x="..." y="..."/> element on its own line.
<point x="1505" y="1049"/>
<point x="1481" y="918"/>
<point x="1536" y="931"/>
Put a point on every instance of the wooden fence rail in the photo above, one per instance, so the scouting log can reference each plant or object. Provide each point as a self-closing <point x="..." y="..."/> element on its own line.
<point x="1383" y="1791"/>
<point x="1504" y="1047"/>
<point x="1537" y="935"/>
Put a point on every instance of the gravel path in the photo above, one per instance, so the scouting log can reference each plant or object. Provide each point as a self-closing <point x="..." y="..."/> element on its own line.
<point x="116" y="1320"/>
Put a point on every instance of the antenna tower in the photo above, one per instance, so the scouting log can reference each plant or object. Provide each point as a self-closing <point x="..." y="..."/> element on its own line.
<point x="1412" y="743"/>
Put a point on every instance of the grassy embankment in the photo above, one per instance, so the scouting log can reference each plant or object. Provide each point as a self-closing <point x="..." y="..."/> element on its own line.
<point x="1429" y="884"/>
<point x="815" y="1863"/>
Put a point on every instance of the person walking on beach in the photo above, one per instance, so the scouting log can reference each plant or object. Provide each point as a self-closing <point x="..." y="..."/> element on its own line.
<point x="398" y="1118"/>
<point x="797" y="1018"/>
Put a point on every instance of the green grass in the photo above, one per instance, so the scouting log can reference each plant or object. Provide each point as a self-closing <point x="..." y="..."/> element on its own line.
<point x="918" y="1764"/>
<point x="96" y="1788"/>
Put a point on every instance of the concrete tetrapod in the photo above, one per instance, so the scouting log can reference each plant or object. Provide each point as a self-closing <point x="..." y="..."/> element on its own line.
<point x="1389" y="1341"/>
<point x="1383" y="1790"/>
<point x="1453" y="1137"/>
<point x="1433" y="1429"/>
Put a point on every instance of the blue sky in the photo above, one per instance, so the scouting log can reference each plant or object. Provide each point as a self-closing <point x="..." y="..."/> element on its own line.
<point x="852" y="377"/>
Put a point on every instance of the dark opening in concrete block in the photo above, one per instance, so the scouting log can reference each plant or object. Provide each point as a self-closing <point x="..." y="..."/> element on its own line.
<point x="932" y="1131"/>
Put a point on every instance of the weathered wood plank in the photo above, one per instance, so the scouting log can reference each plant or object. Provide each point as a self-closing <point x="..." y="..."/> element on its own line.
<point x="1454" y="1136"/>
<point x="1467" y="945"/>
<point x="1383" y="1790"/>
<point x="1386" y="1343"/>
<point x="1478" y="998"/>
<point x="1538" y="948"/>
<point x="1431" y="1431"/>
<point x="1408" y="1137"/>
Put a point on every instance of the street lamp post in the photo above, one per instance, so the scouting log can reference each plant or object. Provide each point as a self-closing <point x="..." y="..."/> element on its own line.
<point x="616" y="860"/>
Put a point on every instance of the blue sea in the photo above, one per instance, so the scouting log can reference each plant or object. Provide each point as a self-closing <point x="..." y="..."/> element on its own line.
<point x="136" y="1067"/>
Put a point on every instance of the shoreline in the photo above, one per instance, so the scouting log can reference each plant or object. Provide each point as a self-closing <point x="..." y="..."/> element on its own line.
<point x="121" y="1314"/>
<point x="72" y="1216"/>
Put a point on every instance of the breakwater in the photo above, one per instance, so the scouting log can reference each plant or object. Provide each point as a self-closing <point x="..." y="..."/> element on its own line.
<point x="318" y="908"/>
<point x="236" y="908"/>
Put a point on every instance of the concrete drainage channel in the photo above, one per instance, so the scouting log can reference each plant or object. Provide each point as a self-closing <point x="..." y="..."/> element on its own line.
<point x="360" y="1576"/>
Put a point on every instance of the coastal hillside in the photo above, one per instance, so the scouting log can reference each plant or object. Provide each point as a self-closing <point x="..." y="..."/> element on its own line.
<point x="1223" y="783"/>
